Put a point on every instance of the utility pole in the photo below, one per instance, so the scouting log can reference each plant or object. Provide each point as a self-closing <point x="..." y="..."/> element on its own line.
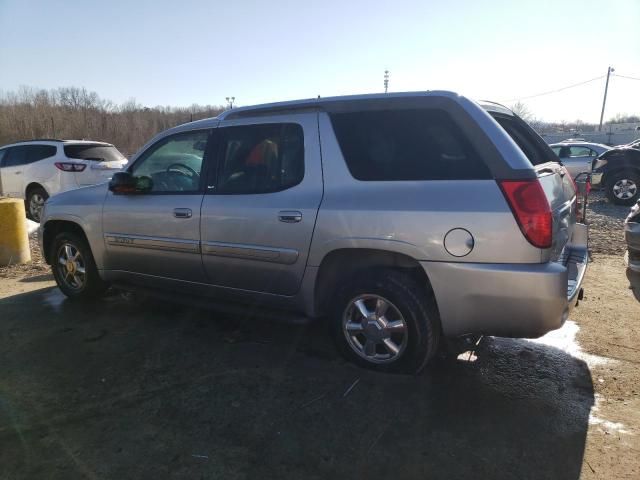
<point x="230" y="101"/>
<point x="610" y="70"/>
<point x="386" y="80"/>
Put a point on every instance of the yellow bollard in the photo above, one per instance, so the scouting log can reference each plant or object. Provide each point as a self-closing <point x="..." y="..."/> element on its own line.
<point x="14" y="240"/>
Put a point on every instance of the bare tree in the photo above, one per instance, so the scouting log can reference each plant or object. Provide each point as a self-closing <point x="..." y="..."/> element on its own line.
<point x="72" y="112"/>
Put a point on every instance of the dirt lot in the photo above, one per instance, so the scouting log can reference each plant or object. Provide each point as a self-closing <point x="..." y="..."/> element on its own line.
<point x="133" y="388"/>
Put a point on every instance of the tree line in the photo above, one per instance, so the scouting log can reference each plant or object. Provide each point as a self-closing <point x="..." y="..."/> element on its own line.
<point x="76" y="113"/>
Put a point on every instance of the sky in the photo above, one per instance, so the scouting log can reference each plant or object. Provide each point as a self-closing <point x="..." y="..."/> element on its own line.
<point x="184" y="52"/>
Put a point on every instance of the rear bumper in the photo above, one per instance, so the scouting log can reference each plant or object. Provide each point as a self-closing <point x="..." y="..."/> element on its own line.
<point x="632" y="237"/>
<point x="509" y="300"/>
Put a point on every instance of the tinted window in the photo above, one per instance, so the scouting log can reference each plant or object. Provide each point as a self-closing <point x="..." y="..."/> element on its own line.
<point x="174" y="164"/>
<point x="420" y="144"/>
<point x="99" y="153"/>
<point x="2" y="154"/>
<point x="260" y="158"/>
<point x="582" y="152"/>
<point x="25" y="154"/>
<point x="529" y="141"/>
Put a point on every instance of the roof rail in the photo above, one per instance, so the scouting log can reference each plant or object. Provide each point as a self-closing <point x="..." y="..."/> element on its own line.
<point x="37" y="140"/>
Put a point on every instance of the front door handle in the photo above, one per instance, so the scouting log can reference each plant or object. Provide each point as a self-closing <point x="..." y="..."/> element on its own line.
<point x="182" y="212"/>
<point x="290" y="216"/>
<point x="18" y="173"/>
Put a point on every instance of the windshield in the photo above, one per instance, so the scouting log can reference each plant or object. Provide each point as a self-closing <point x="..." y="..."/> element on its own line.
<point x="99" y="153"/>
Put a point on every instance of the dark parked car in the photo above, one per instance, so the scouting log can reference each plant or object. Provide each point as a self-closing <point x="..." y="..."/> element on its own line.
<point x="632" y="236"/>
<point x="618" y="172"/>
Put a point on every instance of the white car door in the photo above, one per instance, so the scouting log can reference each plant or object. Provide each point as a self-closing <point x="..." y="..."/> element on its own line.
<point x="579" y="160"/>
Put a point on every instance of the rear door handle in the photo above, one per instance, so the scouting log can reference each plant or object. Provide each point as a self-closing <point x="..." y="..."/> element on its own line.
<point x="290" y="216"/>
<point x="182" y="212"/>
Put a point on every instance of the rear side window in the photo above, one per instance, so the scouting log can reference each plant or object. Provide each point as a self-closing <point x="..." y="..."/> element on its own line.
<point x="529" y="142"/>
<point x="26" y="154"/>
<point x="2" y="155"/>
<point x="422" y="144"/>
<point x="98" y="153"/>
<point x="260" y="158"/>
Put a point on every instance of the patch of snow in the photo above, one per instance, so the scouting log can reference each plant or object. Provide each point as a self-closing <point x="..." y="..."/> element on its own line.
<point x="565" y="339"/>
<point x="32" y="226"/>
<point x="605" y="425"/>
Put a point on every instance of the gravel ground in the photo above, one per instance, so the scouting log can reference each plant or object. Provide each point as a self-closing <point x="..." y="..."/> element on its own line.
<point x="606" y="232"/>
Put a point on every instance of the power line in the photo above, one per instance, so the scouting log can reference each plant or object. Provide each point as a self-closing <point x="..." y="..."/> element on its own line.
<point x="627" y="77"/>
<point x="557" y="89"/>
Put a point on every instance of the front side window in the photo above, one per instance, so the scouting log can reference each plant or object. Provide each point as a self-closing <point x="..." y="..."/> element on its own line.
<point x="422" y="144"/>
<point x="2" y="155"/>
<point x="581" y="152"/>
<point x="260" y="158"/>
<point x="174" y="164"/>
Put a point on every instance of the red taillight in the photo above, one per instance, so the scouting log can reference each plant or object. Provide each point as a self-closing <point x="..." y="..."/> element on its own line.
<point x="531" y="210"/>
<point x="70" y="166"/>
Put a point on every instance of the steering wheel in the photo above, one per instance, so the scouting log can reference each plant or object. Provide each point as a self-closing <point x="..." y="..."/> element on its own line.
<point x="181" y="165"/>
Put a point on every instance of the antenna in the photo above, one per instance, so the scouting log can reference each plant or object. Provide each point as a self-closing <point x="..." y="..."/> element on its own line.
<point x="386" y="80"/>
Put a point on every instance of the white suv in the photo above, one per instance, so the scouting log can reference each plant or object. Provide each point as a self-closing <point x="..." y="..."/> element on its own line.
<point x="37" y="169"/>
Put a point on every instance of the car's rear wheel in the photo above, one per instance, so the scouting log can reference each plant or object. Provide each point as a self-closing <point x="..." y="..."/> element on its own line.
<point x="384" y="320"/>
<point x="623" y="188"/>
<point x="36" y="197"/>
<point x="74" y="268"/>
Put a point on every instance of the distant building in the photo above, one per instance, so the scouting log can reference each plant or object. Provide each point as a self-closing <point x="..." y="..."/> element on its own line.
<point x="621" y="127"/>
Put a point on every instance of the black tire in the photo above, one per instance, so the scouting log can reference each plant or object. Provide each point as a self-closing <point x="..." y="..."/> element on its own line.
<point x="33" y="196"/>
<point x="92" y="285"/>
<point x="610" y="185"/>
<point x="413" y="301"/>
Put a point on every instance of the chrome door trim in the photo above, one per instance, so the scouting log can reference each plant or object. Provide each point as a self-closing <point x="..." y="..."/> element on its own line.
<point x="152" y="243"/>
<point x="285" y="256"/>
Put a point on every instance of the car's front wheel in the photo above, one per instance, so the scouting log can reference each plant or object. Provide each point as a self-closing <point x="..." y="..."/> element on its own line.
<point x="623" y="188"/>
<point x="384" y="320"/>
<point x="74" y="268"/>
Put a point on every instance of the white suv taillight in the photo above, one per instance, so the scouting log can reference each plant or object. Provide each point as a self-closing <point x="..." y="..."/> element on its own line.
<point x="531" y="210"/>
<point x="70" y="166"/>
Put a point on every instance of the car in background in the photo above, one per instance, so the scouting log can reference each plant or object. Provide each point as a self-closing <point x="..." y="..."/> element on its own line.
<point x="634" y="144"/>
<point x="632" y="237"/>
<point x="618" y="172"/>
<point x="37" y="169"/>
<point x="578" y="156"/>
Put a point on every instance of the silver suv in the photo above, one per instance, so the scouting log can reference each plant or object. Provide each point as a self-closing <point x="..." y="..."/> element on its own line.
<point x="399" y="218"/>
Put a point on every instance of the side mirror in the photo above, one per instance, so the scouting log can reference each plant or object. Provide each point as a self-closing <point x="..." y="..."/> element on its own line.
<point x="123" y="183"/>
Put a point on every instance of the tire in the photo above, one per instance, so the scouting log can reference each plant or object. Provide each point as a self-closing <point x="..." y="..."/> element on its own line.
<point x="34" y="202"/>
<point x="78" y="277"/>
<point x="414" y="340"/>
<point x="623" y="188"/>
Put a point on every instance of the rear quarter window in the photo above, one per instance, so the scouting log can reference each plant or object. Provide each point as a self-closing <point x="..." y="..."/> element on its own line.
<point x="420" y="144"/>
<point x="535" y="149"/>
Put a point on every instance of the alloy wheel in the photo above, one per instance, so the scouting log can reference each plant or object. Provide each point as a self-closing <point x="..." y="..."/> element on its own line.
<point x="375" y="329"/>
<point x="36" y="202"/>
<point x="625" y="189"/>
<point x="71" y="266"/>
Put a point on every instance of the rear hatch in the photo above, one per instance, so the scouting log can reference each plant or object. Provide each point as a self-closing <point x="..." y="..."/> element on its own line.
<point x="101" y="161"/>
<point x="569" y="238"/>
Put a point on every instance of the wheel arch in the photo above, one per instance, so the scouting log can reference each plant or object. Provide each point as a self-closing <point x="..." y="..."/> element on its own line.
<point x="344" y="263"/>
<point x="31" y="186"/>
<point x="622" y="168"/>
<point x="53" y="228"/>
